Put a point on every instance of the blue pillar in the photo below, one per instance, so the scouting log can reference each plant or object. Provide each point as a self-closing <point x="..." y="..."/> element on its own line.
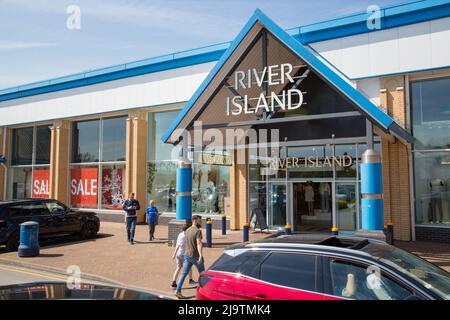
<point x="184" y="190"/>
<point x="372" y="218"/>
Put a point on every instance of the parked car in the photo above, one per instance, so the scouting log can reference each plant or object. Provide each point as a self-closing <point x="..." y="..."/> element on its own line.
<point x="321" y="267"/>
<point x="54" y="218"/>
<point x="83" y="291"/>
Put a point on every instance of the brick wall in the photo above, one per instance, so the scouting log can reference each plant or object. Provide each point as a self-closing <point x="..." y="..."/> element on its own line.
<point x="395" y="159"/>
<point x="434" y="234"/>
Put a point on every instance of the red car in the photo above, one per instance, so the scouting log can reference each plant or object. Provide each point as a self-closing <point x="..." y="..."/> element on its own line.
<point x="320" y="267"/>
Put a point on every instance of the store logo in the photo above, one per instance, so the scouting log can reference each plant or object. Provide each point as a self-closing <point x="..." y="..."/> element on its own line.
<point x="273" y="75"/>
<point x="277" y="163"/>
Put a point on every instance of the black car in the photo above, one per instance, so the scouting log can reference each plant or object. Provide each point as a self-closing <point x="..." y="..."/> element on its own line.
<point x="54" y="218"/>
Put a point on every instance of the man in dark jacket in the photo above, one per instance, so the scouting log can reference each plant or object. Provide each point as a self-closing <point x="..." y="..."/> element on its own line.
<point x="131" y="205"/>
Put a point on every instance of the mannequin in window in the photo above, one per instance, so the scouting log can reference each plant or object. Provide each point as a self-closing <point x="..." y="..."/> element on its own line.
<point x="324" y="190"/>
<point x="436" y="191"/>
<point x="309" y="198"/>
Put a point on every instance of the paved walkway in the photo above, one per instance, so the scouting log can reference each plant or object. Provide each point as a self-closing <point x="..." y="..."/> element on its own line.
<point x="148" y="264"/>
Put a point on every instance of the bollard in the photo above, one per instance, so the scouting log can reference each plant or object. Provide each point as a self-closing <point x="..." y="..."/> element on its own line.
<point x="246" y="230"/>
<point x="287" y="229"/>
<point x="29" y="239"/>
<point x="389" y="230"/>
<point x="334" y="231"/>
<point x="224" y="225"/>
<point x="208" y="233"/>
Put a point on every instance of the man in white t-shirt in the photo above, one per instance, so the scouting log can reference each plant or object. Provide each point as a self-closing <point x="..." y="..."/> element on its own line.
<point x="178" y="256"/>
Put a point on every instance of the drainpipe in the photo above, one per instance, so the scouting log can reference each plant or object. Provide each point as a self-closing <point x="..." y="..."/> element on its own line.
<point x="4" y="165"/>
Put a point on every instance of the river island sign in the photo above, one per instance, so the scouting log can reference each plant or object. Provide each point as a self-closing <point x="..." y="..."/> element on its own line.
<point x="268" y="102"/>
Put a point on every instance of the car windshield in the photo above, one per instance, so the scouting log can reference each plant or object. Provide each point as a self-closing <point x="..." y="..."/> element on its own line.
<point x="431" y="276"/>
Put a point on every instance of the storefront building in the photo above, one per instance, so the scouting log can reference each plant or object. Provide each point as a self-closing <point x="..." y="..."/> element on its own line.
<point x="314" y="98"/>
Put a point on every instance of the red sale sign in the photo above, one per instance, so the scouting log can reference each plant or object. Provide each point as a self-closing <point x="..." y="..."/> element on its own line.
<point x="84" y="187"/>
<point x="41" y="183"/>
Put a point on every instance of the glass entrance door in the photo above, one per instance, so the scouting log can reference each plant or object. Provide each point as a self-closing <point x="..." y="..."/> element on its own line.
<point x="346" y="206"/>
<point x="277" y="206"/>
<point x="312" y="206"/>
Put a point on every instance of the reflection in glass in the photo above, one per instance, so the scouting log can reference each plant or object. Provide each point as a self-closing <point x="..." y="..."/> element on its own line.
<point x="43" y="140"/>
<point x="277" y="210"/>
<point x="21" y="183"/>
<point x="114" y="139"/>
<point x="161" y="182"/>
<point x="346" y="206"/>
<point x="158" y="124"/>
<point x="344" y="171"/>
<point x="85" y="141"/>
<point x="22" y="146"/>
<point x="314" y="155"/>
<point x="431" y="113"/>
<point x="210" y="187"/>
<point x="432" y="187"/>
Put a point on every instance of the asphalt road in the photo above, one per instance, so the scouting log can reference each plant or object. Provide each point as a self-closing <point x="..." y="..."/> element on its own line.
<point x="14" y="275"/>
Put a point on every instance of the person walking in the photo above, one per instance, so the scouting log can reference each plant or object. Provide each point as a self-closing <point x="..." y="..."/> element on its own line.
<point x="193" y="254"/>
<point x="178" y="256"/>
<point x="130" y="206"/>
<point x="152" y="218"/>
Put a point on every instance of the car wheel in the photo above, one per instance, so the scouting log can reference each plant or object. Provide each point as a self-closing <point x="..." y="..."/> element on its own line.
<point x="13" y="241"/>
<point x="89" y="230"/>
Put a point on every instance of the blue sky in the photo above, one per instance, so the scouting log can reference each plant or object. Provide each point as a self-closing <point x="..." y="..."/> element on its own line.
<point x="35" y="43"/>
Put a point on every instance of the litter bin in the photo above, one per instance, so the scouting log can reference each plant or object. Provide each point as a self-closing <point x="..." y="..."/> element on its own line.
<point x="29" y="239"/>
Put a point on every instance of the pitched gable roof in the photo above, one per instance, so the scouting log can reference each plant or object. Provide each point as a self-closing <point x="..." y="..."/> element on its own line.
<point x="363" y="104"/>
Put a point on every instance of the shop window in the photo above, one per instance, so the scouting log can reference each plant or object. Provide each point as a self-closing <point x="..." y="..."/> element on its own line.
<point x="431" y="113"/>
<point x="30" y="156"/>
<point x="348" y="155"/>
<point x="98" y="185"/>
<point x="430" y="102"/>
<point x="84" y="187"/>
<point x="114" y="139"/>
<point x="113" y="184"/>
<point x="432" y="187"/>
<point x="43" y="141"/>
<point x="210" y="187"/>
<point x="22" y="146"/>
<point x="21" y="183"/>
<point x="161" y="183"/>
<point x="85" y="141"/>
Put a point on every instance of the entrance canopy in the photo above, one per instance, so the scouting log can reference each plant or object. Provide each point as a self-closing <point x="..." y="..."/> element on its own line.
<point x="268" y="79"/>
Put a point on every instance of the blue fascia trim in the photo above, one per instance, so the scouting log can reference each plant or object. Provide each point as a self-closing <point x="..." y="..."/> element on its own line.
<point x="401" y="73"/>
<point x="120" y="73"/>
<point x="359" y="99"/>
<point x="391" y="17"/>
<point x="211" y="75"/>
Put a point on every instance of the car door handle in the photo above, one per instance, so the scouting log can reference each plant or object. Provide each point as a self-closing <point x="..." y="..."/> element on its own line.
<point x="260" y="296"/>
